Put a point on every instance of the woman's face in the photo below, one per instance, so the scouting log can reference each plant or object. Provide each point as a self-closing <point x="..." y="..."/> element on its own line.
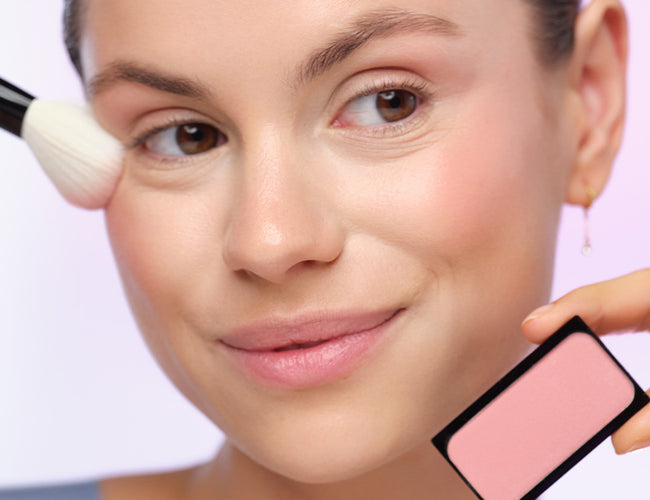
<point x="334" y="257"/>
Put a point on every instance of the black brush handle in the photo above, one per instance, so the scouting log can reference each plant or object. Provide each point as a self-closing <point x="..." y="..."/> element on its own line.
<point x="13" y="106"/>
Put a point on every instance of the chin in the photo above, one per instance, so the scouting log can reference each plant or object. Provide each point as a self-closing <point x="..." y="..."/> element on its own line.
<point x="336" y="452"/>
<point x="328" y="466"/>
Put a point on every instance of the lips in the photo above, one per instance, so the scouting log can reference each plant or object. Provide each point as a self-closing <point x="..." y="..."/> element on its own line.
<point x="308" y="350"/>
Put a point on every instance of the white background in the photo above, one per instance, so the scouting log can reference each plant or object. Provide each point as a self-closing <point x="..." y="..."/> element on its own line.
<point x="81" y="397"/>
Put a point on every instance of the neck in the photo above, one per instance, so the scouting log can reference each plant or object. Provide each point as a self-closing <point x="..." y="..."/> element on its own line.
<point x="419" y="474"/>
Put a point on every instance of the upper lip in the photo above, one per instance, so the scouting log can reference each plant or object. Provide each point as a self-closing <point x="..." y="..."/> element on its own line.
<point x="276" y="333"/>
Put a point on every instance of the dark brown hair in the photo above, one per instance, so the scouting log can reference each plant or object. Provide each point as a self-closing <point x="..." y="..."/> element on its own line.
<point x="552" y="28"/>
<point x="72" y="16"/>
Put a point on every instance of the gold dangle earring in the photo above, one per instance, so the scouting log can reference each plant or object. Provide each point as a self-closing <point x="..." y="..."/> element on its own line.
<point x="591" y="196"/>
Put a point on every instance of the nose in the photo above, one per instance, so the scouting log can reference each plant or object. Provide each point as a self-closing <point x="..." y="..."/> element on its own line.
<point x="282" y="219"/>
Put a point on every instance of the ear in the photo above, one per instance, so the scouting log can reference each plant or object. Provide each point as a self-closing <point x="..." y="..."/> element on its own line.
<point x="597" y="70"/>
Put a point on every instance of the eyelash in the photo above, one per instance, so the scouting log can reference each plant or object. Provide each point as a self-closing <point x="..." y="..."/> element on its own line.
<point x="419" y="88"/>
<point x="147" y="134"/>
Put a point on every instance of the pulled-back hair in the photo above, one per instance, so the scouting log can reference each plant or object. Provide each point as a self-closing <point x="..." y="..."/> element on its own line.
<point x="72" y="16"/>
<point x="553" y="28"/>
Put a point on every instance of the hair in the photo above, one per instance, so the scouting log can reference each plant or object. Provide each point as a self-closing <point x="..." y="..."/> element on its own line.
<point x="72" y="16"/>
<point x="553" y="28"/>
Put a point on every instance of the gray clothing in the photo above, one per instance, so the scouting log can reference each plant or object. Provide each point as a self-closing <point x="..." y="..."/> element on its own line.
<point x="81" y="491"/>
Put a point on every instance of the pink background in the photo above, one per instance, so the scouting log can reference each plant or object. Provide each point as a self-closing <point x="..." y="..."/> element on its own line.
<point x="81" y="396"/>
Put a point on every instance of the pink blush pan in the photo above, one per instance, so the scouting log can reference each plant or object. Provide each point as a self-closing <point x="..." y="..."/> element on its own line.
<point x="542" y="418"/>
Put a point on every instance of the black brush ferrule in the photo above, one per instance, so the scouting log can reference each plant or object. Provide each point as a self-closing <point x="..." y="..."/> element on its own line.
<point x="13" y="106"/>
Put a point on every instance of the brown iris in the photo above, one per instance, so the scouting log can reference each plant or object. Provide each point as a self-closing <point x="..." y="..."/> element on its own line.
<point x="395" y="105"/>
<point x="195" y="138"/>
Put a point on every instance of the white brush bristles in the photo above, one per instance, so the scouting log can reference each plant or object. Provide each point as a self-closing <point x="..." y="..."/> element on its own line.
<point x="83" y="161"/>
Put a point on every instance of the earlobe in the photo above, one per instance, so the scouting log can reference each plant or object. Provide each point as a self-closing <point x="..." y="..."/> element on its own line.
<point x="598" y="80"/>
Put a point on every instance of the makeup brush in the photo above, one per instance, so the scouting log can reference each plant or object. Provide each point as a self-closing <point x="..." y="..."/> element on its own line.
<point x="83" y="161"/>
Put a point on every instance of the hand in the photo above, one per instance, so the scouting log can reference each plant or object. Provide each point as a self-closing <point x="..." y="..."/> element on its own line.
<point x="621" y="304"/>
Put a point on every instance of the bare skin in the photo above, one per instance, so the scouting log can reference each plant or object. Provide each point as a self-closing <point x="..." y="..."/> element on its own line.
<point x="618" y="305"/>
<point x="307" y="203"/>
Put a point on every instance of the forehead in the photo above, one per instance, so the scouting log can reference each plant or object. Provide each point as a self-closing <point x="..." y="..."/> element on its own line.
<point x="198" y="34"/>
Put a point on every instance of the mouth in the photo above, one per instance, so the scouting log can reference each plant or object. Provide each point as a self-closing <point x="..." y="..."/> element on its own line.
<point x="303" y="345"/>
<point x="308" y="351"/>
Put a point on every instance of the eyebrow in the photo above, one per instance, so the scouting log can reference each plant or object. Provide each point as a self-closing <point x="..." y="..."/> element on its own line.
<point x="372" y="25"/>
<point x="125" y="71"/>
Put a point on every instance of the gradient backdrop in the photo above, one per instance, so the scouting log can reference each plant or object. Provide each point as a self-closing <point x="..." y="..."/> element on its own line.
<point x="79" y="394"/>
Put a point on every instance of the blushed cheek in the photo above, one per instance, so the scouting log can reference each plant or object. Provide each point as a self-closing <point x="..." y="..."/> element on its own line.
<point x="447" y="211"/>
<point x="485" y="192"/>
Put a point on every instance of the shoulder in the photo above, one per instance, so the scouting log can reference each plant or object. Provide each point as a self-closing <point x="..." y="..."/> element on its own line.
<point x="161" y="486"/>
<point x="78" y="491"/>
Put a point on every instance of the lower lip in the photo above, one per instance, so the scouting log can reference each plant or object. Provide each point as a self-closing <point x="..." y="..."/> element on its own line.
<point x="313" y="366"/>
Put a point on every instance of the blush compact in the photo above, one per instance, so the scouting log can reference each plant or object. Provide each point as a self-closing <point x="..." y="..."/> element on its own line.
<point x="541" y="418"/>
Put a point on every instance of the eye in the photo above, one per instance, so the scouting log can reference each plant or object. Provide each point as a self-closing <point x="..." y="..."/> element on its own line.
<point x="184" y="139"/>
<point x="378" y="108"/>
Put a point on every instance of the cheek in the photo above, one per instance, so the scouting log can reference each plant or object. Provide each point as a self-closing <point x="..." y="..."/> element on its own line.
<point x="165" y="244"/>
<point x="481" y="191"/>
<point x="167" y="251"/>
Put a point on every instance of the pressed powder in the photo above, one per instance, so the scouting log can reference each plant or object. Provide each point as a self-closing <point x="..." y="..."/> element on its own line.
<point x="542" y="418"/>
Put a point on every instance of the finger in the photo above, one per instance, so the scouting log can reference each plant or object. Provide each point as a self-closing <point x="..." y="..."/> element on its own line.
<point x="621" y="304"/>
<point x="635" y="433"/>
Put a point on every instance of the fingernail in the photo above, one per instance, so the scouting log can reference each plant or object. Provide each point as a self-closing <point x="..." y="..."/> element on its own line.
<point x="540" y="311"/>
<point x="637" y="446"/>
